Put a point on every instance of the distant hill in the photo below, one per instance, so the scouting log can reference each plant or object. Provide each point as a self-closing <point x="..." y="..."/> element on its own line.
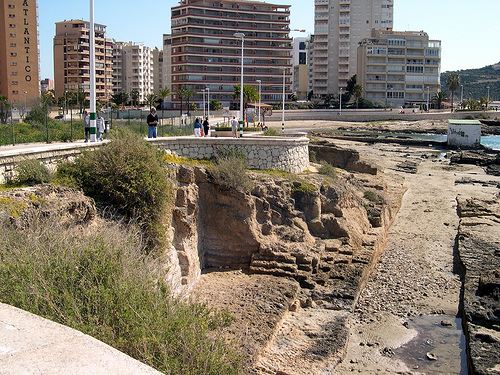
<point x="476" y="81"/>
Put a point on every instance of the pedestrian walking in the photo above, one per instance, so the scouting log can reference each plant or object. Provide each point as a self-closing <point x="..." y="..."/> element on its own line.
<point x="86" y="124"/>
<point x="197" y="127"/>
<point x="234" y="127"/>
<point x="206" y="127"/>
<point x="152" y="121"/>
<point x="101" y="127"/>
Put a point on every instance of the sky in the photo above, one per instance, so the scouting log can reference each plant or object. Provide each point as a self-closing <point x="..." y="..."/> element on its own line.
<point x="468" y="30"/>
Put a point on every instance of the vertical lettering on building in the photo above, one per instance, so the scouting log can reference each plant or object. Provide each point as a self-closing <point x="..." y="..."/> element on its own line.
<point x="27" y="47"/>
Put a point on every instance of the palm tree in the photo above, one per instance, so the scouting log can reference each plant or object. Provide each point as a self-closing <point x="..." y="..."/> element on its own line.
<point x="163" y="94"/>
<point x="357" y="91"/>
<point x="120" y="98"/>
<point x="4" y="109"/>
<point x="134" y="96"/>
<point x="250" y="94"/>
<point x="188" y="94"/>
<point x="439" y="98"/>
<point x="181" y="92"/>
<point x="151" y="99"/>
<point x="453" y="83"/>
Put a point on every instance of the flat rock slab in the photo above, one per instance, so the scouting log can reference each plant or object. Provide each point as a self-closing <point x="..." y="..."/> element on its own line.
<point x="30" y="344"/>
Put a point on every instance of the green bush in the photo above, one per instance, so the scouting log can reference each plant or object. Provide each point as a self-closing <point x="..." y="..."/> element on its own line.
<point x="99" y="282"/>
<point x="271" y="132"/>
<point x="129" y="176"/>
<point x="327" y="170"/>
<point x="31" y="172"/>
<point x="230" y="170"/>
<point x="373" y="196"/>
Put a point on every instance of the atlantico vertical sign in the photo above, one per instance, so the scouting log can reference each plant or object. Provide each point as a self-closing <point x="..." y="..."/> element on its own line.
<point x="27" y="37"/>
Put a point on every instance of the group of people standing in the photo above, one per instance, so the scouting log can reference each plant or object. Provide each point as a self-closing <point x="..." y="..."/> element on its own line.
<point x="100" y="126"/>
<point x="201" y="129"/>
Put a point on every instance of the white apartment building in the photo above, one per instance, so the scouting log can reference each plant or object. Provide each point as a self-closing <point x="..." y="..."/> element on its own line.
<point x="339" y="26"/>
<point x="399" y="68"/>
<point x="300" y="51"/>
<point x="133" y="68"/>
<point x="167" y="63"/>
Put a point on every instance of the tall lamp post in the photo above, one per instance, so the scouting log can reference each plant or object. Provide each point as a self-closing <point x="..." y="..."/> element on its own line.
<point x="340" y="101"/>
<point x="462" y="96"/>
<point x="208" y="102"/>
<point x="488" y="99"/>
<point x="93" y="117"/>
<point x="283" y="107"/>
<point x="428" y="97"/>
<point x="242" y="118"/>
<point x="204" y="108"/>
<point x="260" y="96"/>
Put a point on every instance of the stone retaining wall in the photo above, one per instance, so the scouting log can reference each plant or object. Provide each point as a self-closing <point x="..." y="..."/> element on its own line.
<point x="288" y="154"/>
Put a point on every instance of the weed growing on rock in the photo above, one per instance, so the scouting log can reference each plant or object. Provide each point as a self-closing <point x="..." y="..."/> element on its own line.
<point x="128" y="176"/>
<point x="327" y="169"/>
<point x="230" y="170"/>
<point x="271" y="132"/>
<point x="101" y="283"/>
<point x="373" y="197"/>
<point x="31" y="172"/>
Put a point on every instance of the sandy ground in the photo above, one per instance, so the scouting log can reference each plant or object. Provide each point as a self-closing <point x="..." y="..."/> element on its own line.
<point x="415" y="280"/>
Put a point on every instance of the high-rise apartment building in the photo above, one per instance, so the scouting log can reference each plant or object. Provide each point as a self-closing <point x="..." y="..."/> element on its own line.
<point x="72" y="59"/>
<point x="339" y="26"/>
<point x="300" y="59"/>
<point x="157" y="70"/>
<point x="167" y="63"/>
<point x="133" y="69"/>
<point x="399" y="68"/>
<point x="19" y="59"/>
<point x="205" y="52"/>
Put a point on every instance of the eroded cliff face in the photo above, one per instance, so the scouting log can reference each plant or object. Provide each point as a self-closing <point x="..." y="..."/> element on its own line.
<point x="324" y="236"/>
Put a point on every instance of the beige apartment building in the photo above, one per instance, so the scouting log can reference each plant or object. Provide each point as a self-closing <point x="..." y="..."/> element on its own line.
<point x="72" y="59"/>
<point x="205" y="52"/>
<point x="157" y="70"/>
<point x="300" y="59"/>
<point x="166" y="79"/>
<point x="133" y="69"/>
<point x="399" y="68"/>
<point x="19" y="57"/>
<point x="339" y="26"/>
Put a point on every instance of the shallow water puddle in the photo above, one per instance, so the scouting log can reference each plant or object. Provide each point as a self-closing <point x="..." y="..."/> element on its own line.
<point x="437" y="348"/>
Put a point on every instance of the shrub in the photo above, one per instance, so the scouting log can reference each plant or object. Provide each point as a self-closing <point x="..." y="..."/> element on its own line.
<point x="328" y="170"/>
<point x="271" y="132"/>
<point x="99" y="282"/>
<point x="230" y="170"/>
<point x="128" y="176"/>
<point x="373" y="197"/>
<point x="31" y="172"/>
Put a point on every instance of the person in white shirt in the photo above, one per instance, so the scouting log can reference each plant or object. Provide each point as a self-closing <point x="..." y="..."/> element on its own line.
<point x="101" y="126"/>
<point x="234" y="127"/>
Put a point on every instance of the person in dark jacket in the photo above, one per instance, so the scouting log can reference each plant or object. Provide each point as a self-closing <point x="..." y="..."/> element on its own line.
<point x="152" y="121"/>
<point x="197" y="127"/>
<point x="206" y="127"/>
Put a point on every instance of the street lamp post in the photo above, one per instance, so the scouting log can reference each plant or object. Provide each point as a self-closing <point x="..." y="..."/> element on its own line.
<point x="462" y="96"/>
<point x="283" y="108"/>
<point x="203" y="92"/>
<point x="242" y="118"/>
<point x="260" y="94"/>
<point x="488" y="98"/>
<point x="25" y="103"/>
<point x="208" y="102"/>
<point x="340" y="101"/>
<point x="428" y="97"/>
<point x="93" y="117"/>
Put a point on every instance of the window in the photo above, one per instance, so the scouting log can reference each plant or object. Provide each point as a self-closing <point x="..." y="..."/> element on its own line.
<point x="12" y="35"/>
<point x="11" y="6"/>
<point x="13" y="54"/>
<point x="302" y="46"/>
<point x="13" y="45"/>
<point x="12" y="26"/>
<point x="12" y="16"/>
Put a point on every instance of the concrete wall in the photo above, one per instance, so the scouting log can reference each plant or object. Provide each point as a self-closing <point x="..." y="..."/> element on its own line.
<point x="288" y="154"/>
<point x="464" y="135"/>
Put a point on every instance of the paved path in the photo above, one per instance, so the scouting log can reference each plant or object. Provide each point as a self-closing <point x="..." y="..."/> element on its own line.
<point x="30" y="344"/>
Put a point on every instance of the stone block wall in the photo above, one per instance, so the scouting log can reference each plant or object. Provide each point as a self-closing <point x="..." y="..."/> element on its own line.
<point x="287" y="154"/>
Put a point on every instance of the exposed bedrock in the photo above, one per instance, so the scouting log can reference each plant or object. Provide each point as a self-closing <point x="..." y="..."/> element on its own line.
<point x="478" y="246"/>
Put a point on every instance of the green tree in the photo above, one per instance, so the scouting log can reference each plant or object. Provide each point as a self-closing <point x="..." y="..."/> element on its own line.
<point x="357" y="91"/>
<point x="120" y="98"/>
<point x="188" y="94"/>
<point x="438" y="98"/>
<point x="181" y="94"/>
<point x="310" y="95"/>
<point x="5" y="107"/>
<point x="151" y="99"/>
<point x="215" y="105"/>
<point x="453" y="83"/>
<point x="484" y="103"/>
<point x="250" y="94"/>
<point x="163" y="94"/>
<point x="134" y="97"/>
<point x="349" y="90"/>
